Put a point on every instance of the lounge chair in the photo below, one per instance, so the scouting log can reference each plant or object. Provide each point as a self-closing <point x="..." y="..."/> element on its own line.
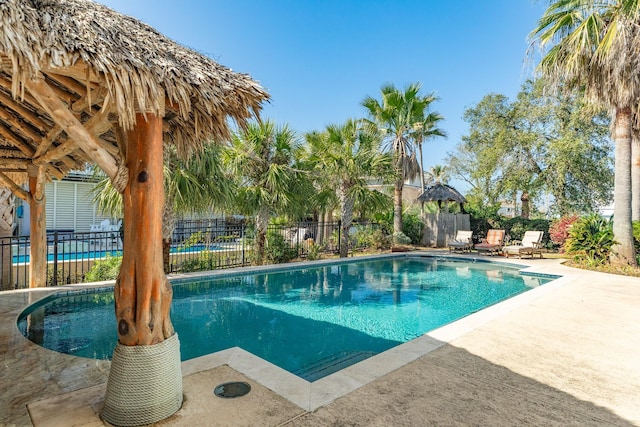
<point x="492" y="244"/>
<point x="531" y="244"/>
<point x="462" y="241"/>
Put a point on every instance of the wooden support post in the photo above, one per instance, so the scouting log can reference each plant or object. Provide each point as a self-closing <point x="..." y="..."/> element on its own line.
<point x="38" y="223"/>
<point x="142" y="292"/>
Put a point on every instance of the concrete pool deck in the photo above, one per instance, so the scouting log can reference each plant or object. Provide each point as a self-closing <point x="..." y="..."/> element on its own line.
<point x="566" y="353"/>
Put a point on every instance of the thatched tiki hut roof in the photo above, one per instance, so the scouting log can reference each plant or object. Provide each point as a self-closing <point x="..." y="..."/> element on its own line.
<point x="441" y="193"/>
<point x="81" y="83"/>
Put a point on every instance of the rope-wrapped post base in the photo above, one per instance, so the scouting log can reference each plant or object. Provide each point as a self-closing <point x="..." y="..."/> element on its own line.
<point x="145" y="383"/>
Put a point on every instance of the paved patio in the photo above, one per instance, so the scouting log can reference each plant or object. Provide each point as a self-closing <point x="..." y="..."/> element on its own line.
<point x="563" y="354"/>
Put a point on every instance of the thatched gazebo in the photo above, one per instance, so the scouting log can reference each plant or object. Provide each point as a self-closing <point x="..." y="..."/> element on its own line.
<point x="442" y="193"/>
<point x="81" y="83"/>
<point x="441" y="227"/>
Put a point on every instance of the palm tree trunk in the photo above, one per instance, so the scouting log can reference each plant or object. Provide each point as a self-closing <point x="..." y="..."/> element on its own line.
<point x="397" y="206"/>
<point x="346" y="207"/>
<point x="623" y="252"/>
<point x="635" y="177"/>
<point x="262" y="221"/>
<point x="421" y="179"/>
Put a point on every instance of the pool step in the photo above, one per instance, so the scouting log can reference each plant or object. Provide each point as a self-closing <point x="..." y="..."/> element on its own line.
<point x="330" y="364"/>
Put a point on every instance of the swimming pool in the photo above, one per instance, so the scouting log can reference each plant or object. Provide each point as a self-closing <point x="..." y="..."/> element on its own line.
<point x="311" y="321"/>
<point x="79" y="250"/>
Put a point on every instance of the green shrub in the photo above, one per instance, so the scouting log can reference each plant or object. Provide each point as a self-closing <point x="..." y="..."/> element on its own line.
<point x="400" y="238"/>
<point x="314" y="252"/>
<point x="277" y="250"/>
<point x="412" y="227"/>
<point x="104" y="269"/>
<point x="590" y="240"/>
<point x="380" y="240"/>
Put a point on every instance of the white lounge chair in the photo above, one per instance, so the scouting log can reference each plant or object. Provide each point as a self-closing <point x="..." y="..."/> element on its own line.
<point x="531" y="244"/>
<point x="462" y="241"/>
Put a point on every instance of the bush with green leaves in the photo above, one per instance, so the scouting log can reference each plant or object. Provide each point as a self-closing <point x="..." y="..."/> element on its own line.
<point x="380" y="240"/>
<point x="104" y="269"/>
<point x="314" y="252"/>
<point x="590" y="240"/>
<point x="413" y="227"/>
<point x="278" y="250"/>
<point x="400" y="238"/>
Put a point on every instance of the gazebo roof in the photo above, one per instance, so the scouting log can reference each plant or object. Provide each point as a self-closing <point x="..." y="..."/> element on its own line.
<point x="443" y="193"/>
<point x="104" y="67"/>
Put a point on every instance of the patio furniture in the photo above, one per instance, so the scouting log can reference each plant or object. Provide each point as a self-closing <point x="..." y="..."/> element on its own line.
<point x="462" y="241"/>
<point x="492" y="244"/>
<point x="531" y="244"/>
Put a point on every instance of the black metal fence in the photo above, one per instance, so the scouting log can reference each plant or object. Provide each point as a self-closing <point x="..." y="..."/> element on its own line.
<point x="197" y="245"/>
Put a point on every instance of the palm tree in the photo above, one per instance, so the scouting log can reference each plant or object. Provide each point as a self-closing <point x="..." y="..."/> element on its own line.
<point x="594" y="50"/>
<point x="397" y="116"/>
<point x="262" y="159"/>
<point x="349" y="155"/>
<point x="194" y="185"/>
<point x="425" y="129"/>
<point x="438" y="174"/>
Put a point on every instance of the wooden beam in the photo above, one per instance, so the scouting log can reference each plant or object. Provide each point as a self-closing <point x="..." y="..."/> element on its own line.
<point x="68" y="82"/>
<point x="78" y="72"/>
<point x="24" y="112"/>
<point x="16" y="141"/>
<point x="90" y="98"/>
<point x="6" y="84"/>
<point x="20" y="125"/>
<point x="38" y="223"/>
<point x="14" y="163"/>
<point x="48" y="139"/>
<point x="142" y="292"/>
<point x="61" y="115"/>
<point x="15" y="188"/>
<point x="94" y="125"/>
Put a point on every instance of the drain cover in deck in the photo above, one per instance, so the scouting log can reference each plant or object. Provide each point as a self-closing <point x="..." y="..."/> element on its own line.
<point x="232" y="389"/>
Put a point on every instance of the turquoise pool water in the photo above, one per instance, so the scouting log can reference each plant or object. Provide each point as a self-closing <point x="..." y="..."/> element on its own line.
<point x="72" y="252"/>
<point x="309" y="321"/>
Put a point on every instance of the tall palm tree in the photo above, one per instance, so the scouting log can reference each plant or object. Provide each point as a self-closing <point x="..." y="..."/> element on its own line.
<point x="425" y="129"/>
<point x="194" y="185"/>
<point x="438" y="174"/>
<point x="262" y="159"/>
<point x="397" y="115"/>
<point x="350" y="155"/>
<point x="593" y="49"/>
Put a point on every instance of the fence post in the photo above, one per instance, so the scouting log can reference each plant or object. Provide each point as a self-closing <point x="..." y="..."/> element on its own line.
<point x="55" y="259"/>
<point x="242" y="240"/>
<point x="339" y="233"/>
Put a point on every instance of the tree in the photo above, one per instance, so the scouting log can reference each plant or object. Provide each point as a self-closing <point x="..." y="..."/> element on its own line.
<point x="426" y="128"/>
<point x="261" y="158"/>
<point x="194" y="185"/>
<point x="349" y="155"/>
<point x="592" y="47"/>
<point x="537" y="144"/>
<point x="438" y="174"/>
<point x="398" y="115"/>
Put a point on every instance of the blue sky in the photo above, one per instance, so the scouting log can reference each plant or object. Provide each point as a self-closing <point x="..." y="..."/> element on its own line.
<point x="319" y="59"/>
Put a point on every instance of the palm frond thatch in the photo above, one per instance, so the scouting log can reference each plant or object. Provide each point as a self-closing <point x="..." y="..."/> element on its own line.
<point x="441" y="193"/>
<point x="92" y="56"/>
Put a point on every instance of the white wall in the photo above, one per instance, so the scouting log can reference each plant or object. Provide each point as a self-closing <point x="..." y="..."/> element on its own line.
<point x="69" y="207"/>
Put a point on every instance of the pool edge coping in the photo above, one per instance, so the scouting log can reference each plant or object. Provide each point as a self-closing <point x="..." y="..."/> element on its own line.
<point x="311" y="396"/>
